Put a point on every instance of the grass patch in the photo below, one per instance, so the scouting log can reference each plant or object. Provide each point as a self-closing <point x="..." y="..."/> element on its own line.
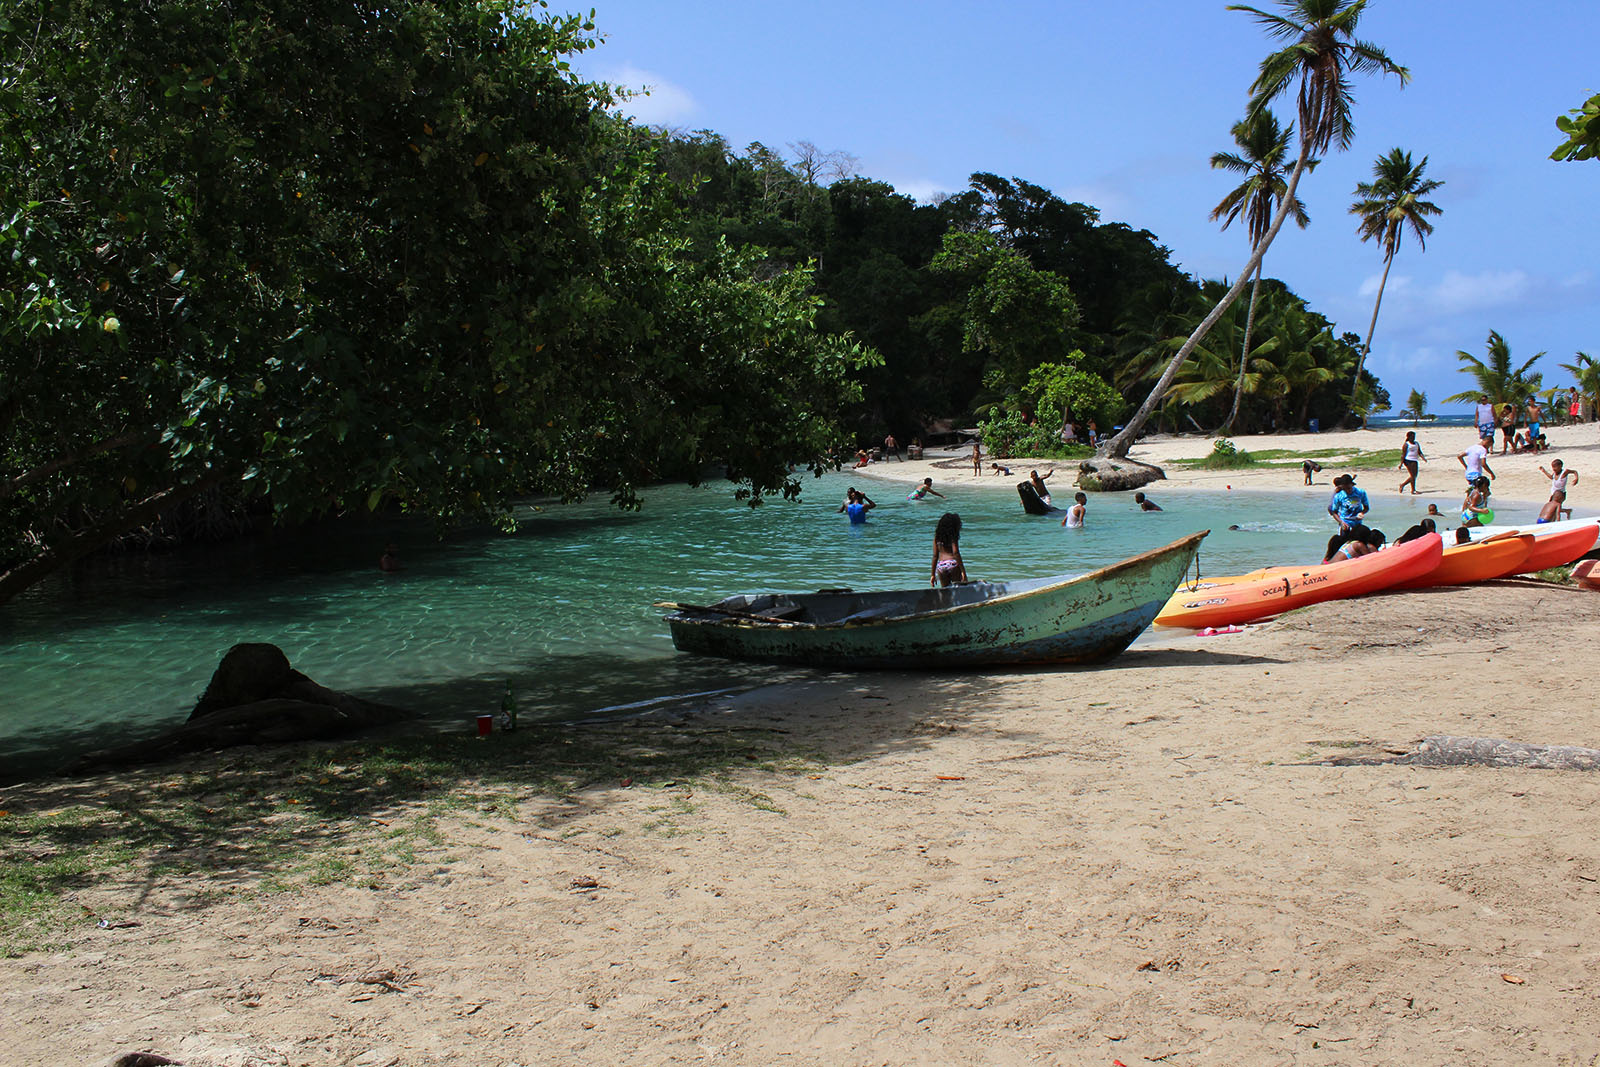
<point x="364" y="814"/>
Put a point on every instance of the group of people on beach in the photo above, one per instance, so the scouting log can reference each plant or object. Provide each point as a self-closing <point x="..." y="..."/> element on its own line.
<point x="1349" y="505"/>
<point x="1505" y="418"/>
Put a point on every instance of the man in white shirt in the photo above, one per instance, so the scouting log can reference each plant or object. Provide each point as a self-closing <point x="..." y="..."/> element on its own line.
<point x="1476" y="460"/>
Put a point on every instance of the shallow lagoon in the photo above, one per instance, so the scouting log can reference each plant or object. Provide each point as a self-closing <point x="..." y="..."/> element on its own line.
<point x="563" y="608"/>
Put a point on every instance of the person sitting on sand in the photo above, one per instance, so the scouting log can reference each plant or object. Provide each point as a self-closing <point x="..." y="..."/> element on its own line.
<point x="1077" y="512"/>
<point x="863" y="457"/>
<point x="1145" y="505"/>
<point x="1476" y="504"/>
<point x="948" y="566"/>
<point x="924" y="491"/>
<point x="1426" y="526"/>
<point x="1037" y="480"/>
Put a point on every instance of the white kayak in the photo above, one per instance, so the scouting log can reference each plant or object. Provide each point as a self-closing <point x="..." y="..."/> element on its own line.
<point x="1537" y="529"/>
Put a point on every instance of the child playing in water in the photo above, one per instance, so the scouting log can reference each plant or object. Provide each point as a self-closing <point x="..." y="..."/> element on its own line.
<point x="1076" y="512"/>
<point x="924" y="491"/>
<point x="948" y="567"/>
<point x="1476" y="505"/>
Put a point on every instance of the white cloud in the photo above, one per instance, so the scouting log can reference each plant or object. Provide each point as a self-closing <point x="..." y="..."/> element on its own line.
<point x="657" y="102"/>
<point x="1457" y="292"/>
<point x="920" y="190"/>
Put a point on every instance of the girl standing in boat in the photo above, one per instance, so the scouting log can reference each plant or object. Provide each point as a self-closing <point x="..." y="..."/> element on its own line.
<point x="948" y="568"/>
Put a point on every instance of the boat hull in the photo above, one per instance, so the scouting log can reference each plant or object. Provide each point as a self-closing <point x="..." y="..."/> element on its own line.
<point x="1087" y="619"/>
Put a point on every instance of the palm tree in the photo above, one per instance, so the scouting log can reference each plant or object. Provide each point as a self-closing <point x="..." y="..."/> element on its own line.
<point x="1265" y="146"/>
<point x="1416" y="408"/>
<point x="1585" y="369"/>
<point x="1495" y="378"/>
<point x="1387" y="205"/>
<point x="1321" y="51"/>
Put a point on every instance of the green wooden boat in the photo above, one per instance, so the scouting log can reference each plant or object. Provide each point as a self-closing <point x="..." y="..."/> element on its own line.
<point x="1086" y="619"/>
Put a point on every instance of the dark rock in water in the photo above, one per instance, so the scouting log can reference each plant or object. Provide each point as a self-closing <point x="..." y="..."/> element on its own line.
<point x="255" y="698"/>
<point x="1100" y="475"/>
<point x="1032" y="502"/>
<point x="248" y="672"/>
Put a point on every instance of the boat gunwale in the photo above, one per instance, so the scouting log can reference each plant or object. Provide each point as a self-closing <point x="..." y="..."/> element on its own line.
<point x="731" y="622"/>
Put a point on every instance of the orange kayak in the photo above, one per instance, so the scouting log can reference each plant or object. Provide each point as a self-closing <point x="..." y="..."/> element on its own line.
<point x="1237" y="601"/>
<point x="1556" y="549"/>
<point x="1479" y="561"/>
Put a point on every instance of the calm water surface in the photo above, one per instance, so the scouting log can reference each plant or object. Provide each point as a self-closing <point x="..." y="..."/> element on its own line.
<point x="563" y="608"/>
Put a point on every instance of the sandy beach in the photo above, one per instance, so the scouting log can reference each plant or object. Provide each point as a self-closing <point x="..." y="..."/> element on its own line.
<point x="1517" y="481"/>
<point x="1200" y="853"/>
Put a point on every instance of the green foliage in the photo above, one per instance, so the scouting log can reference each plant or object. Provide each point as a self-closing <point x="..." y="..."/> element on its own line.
<point x="1016" y="315"/>
<point x="1495" y="377"/>
<point x="1367" y="401"/>
<point x="340" y="257"/>
<point x="1582" y="130"/>
<point x="1225" y="455"/>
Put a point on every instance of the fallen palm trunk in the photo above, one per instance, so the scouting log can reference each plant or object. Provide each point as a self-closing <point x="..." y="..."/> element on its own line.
<point x="1446" y="751"/>
<point x="1100" y="475"/>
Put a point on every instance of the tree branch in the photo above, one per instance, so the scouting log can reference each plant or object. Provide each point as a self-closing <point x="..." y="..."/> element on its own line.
<point x="81" y="543"/>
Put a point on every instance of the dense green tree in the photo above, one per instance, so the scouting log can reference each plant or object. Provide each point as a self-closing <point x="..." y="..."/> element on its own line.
<point x="1582" y="130"/>
<point x="1264" y="146"/>
<point x="1016" y="315"/>
<point x="1495" y="377"/>
<point x="334" y="256"/>
<point x="1387" y="206"/>
<point x="1321" y="51"/>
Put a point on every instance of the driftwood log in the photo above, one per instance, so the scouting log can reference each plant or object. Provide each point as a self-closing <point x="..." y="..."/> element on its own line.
<point x="1445" y="751"/>
<point x="1101" y="475"/>
<point x="254" y="698"/>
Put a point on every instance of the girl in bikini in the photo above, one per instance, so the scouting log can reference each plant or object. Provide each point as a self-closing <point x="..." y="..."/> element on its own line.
<point x="948" y="568"/>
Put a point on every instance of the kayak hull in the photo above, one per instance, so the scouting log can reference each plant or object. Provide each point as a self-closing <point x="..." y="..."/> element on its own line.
<point x="1236" y="601"/>
<point x="1479" y="561"/>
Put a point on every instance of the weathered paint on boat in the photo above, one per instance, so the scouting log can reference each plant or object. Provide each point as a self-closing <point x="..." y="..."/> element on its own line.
<point x="1086" y="619"/>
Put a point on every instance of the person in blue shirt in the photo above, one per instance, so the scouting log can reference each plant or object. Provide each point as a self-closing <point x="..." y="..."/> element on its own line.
<point x="856" y="505"/>
<point x="1349" y="505"/>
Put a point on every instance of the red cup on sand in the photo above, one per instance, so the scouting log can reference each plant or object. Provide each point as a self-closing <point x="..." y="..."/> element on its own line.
<point x="485" y="724"/>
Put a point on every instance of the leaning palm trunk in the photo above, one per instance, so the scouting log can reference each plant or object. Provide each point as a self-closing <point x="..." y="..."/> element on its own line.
<point x="1117" y="447"/>
<point x="1361" y="360"/>
<point x="1244" y="353"/>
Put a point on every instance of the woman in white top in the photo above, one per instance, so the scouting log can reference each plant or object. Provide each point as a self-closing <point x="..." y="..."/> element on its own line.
<point x="1410" y="455"/>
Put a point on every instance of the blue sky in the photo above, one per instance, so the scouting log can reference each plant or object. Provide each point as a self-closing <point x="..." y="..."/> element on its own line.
<point x="1121" y="106"/>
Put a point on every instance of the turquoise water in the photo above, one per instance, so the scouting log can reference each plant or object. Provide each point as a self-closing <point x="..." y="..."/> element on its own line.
<point x="563" y="608"/>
